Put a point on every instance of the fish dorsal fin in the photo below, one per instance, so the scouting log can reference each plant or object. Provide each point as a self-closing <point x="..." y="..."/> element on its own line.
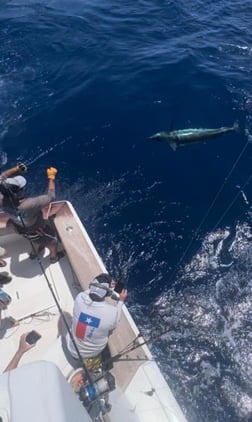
<point x="173" y="145"/>
<point x="236" y="126"/>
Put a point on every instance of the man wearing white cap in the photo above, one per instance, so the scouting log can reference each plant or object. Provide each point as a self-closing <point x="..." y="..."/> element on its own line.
<point x="3" y="253"/>
<point x="26" y="213"/>
<point x="94" y="319"/>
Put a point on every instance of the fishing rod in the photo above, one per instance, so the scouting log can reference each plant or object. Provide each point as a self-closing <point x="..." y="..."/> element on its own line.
<point x="133" y="346"/>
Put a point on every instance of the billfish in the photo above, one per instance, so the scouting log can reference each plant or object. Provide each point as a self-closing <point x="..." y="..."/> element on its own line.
<point x="182" y="137"/>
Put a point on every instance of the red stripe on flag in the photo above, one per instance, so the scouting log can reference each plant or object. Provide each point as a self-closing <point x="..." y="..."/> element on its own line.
<point x="80" y="330"/>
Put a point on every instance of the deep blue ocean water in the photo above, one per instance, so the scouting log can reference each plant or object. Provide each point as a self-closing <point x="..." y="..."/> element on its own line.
<point x="82" y="86"/>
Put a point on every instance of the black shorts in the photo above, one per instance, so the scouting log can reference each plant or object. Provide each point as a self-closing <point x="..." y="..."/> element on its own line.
<point x="44" y="234"/>
<point x="48" y="237"/>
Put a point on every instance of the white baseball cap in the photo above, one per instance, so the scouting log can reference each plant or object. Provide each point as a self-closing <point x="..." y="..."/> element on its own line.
<point x="18" y="181"/>
<point x="98" y="290"/>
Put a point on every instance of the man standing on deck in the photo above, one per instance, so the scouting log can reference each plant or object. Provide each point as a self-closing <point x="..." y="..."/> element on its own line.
<point x="26" y="213"/>
<point x="93" y="319"/>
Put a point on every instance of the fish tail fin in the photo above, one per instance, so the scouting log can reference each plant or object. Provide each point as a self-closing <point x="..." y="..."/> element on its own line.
<point x="236" y="126"/>
<point x="173" y="145"/>
<point x="248" y="135"/>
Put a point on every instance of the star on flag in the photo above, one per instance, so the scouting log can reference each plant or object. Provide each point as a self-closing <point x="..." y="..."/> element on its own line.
<point x="84" y="322"/>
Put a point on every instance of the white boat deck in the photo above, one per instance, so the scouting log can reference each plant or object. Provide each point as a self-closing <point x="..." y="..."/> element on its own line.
<point x="33" y="307"/>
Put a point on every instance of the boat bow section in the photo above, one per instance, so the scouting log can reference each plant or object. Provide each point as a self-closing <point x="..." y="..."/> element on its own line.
<point x="141" y="392"/>
<point x="138" y="377"/>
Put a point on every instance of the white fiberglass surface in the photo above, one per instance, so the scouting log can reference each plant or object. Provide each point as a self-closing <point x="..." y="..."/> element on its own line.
<point x="32" y="306"/>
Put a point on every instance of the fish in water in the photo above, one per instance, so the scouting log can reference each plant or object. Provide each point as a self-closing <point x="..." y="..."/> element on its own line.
<point x="182" y="137"/>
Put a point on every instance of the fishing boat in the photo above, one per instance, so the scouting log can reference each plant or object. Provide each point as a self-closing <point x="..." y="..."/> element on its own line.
<point x="128" y="387"/>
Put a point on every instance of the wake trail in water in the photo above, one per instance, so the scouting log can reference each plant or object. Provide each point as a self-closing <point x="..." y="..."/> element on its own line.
<point x="209" y="346"/>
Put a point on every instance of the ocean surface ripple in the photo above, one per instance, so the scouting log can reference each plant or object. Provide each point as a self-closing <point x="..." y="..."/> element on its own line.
<point x="83" y="85"/>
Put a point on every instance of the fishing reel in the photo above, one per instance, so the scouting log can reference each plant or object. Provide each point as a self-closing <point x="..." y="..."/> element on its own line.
<point x="89" y="393"/>
<point x="94" y="395"/>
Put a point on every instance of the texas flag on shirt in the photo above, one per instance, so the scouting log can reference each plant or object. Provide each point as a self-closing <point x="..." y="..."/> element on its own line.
<point x="84" y="322"/>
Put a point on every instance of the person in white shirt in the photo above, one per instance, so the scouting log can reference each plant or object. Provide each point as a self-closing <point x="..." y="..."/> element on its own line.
<point x="94" y="319"/>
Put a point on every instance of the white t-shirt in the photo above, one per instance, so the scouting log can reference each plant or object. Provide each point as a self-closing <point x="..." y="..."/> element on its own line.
<point x="92" y="325"/>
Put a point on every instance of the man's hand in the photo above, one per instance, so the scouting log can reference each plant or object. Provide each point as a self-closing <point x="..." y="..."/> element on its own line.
<point x="51" y="173"/>
<point x="23" y="345"/>
<point x="123" y="295"/>
<point x="22" y="167"/>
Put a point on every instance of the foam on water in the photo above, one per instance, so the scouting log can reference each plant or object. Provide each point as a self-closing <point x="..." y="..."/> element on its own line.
<point x="208" y="347"/>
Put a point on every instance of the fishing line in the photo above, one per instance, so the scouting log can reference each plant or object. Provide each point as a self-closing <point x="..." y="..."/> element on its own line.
<point x="3" y="155"/>
<point x="210" y="209"/>
<point x="232" y="203"/>
<point x="43" y="153"/>
<point x="58" y="144"/>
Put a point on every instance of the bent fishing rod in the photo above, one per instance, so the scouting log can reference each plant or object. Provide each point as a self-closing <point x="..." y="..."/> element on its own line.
<point x="133" y="346"/>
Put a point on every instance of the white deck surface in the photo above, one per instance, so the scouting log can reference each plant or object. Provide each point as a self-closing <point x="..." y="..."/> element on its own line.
<point x="32" y="306"/>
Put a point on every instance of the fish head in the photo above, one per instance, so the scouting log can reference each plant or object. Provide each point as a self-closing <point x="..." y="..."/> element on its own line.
<point x="160" y="136"/>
